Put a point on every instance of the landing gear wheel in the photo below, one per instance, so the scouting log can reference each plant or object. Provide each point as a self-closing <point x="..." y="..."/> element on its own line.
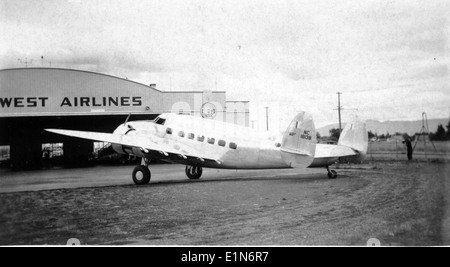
<point x="194" y="172"/>
<point x="332" y="174"/>
<point x="141" y="175"/>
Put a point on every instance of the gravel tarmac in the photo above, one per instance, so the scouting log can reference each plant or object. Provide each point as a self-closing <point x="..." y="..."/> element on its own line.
<point x="399" y="203"/>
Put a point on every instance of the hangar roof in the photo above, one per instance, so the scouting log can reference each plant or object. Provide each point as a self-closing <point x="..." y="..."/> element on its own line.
<point x="111" y="76"/>
<point x="57" y="91"/>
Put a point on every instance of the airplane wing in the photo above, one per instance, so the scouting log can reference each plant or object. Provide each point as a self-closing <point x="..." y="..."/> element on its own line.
<point x="334" y="151"/>
<point x="145" y="143"/>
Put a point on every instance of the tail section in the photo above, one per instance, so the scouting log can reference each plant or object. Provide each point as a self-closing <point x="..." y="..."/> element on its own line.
<point x="355" y="136"/>
<point x="299" y="141"/>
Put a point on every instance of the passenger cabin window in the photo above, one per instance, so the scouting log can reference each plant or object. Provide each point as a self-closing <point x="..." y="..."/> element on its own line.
<point x="191" y="135"/>
<point x="233" y="145"/>
<point x="211" y="141"/>
<point x="221" y="143"/>
<point x="200" y="138"/>
<point x="169" y="130"/>
<point x="181" y="134"/>
<point x="160" y="121"/>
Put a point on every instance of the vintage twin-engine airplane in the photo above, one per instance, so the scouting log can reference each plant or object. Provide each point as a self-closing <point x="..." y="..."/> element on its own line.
<point x="203" y="143"/>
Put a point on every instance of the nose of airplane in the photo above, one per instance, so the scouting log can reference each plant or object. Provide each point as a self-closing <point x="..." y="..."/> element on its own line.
<point x="121" y="129"/>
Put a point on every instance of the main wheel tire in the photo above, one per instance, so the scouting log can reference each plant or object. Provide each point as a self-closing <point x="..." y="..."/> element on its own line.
<point x="194" y="172"/>
<point x="141" y="175"/>
<point x="332" y="174"/>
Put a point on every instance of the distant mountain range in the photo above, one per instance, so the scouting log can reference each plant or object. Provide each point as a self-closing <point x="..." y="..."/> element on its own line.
<point x="391" y="127"/>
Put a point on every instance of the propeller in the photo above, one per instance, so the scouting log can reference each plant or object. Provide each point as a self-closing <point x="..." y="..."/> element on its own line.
<point x="129" y="115"/>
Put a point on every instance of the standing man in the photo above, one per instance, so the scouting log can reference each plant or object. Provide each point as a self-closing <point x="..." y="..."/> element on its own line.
<point x="46" y="155"/>
<point x="407" y="142"/>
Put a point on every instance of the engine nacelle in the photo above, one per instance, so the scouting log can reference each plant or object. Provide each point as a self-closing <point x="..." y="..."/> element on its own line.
<point x="127" y="150"/>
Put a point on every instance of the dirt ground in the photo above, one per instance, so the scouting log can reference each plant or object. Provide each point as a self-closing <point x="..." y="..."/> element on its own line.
<point x="399" y="203"/>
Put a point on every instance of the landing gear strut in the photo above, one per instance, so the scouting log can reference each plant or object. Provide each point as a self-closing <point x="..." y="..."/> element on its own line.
<point x="332" y="174"/>
<point x="141" y="174"/>
<point x="194" y="172"/>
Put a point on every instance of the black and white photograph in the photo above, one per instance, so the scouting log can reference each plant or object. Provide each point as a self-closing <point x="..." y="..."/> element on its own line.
<point x="226" y="124"/>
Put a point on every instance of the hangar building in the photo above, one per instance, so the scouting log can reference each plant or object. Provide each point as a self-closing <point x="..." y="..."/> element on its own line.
<point x="32" y="99"/>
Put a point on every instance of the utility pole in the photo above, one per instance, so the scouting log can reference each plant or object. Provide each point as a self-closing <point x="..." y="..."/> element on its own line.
<point x="43" y="60"/>
<point x="267" y="118"/>
<point x="339" y="110"/>
<point x="25" y="61"/>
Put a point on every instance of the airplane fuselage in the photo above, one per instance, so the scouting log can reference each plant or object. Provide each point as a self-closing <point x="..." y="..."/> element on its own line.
<point x="234" y="146"/>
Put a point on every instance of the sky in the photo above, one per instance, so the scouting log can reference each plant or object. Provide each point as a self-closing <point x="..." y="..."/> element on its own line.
<point x="390" y="59"/>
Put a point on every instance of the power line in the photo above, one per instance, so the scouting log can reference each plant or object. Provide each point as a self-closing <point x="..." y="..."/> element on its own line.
<point x="400" y="87"/>
<point x="267" y="118"/>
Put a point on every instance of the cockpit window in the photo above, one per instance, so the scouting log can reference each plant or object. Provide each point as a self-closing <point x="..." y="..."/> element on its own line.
<point x="160" y="121"/>
<point x="233" y="145"/>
